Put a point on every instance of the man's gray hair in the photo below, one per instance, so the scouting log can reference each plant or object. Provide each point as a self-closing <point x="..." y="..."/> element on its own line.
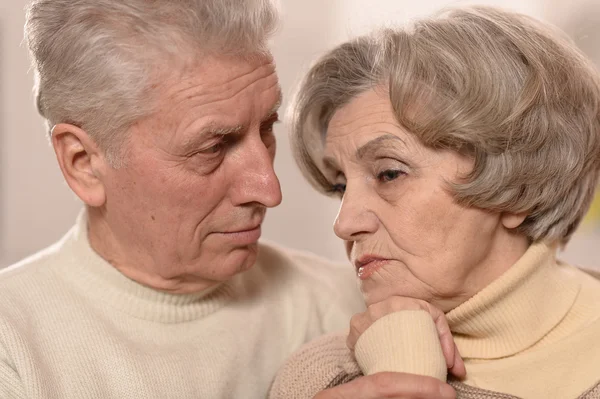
<point x="96" y="61"/>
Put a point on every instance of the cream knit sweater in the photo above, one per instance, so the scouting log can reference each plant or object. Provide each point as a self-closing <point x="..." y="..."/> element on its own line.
<point x="71" y="326"/>
<point x="533" y="333"/>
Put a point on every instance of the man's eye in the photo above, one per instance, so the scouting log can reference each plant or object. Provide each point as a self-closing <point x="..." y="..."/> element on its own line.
<point x="213" y="149"/>
<point x="267" y="127"/>
<point x="267" y="130"/>
<point x="389" y="175"/>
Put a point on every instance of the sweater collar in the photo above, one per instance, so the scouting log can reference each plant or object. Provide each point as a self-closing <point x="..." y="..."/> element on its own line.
<point x="518" y="309"/>
<point x="102" y="282"/>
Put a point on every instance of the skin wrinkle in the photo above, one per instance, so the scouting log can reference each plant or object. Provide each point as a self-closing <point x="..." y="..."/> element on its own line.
<point x="367" y="149"/>
<point x="181" y="97"/>
<point x="373" y="145"/>
<point x="214" y="127"/>
<point x="440" y="252"/>
<point x="206" y="90"/>
<point x="199" y="211"/>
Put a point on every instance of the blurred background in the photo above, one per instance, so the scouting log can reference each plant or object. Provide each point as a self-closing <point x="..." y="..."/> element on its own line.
<point x="37" y="207"/>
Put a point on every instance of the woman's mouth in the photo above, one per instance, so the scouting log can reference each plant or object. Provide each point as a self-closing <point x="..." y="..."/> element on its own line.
<point x="369" y="264"/>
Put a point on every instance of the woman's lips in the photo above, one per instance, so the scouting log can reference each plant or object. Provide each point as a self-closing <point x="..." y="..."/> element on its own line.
<point x="367" y="265"/>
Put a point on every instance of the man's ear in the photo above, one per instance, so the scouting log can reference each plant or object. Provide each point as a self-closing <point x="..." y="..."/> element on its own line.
<point x="81" y="162"/>
<point x="512" y="220"/>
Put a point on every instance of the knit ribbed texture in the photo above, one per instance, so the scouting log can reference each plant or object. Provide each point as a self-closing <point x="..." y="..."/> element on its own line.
<point x="541" y="319"/>
<point x="533" y="333"/>
<point x="72" y="326"/>
<point x="323" y="362"/>
<point x="411" y="344"/>
<point x="517" y="310"/>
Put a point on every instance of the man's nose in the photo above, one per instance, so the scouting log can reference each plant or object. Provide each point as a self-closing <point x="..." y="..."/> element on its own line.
<point x="256" y="181"/>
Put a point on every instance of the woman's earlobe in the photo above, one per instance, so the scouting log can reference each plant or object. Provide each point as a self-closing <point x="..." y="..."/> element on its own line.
<point x="78" y="157"/>
<point x="512" y="220"/>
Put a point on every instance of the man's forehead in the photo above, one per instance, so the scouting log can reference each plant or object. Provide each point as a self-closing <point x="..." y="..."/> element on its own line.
<point x="221" y="69"/>
<point x="214" y="82"/>
<point x="229" y="127"/>
<point x="224" y="121"/>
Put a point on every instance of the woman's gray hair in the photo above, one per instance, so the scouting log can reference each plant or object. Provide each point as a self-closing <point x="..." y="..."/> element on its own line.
<point x="510" y="91"/>
<point x="96" y="61"/>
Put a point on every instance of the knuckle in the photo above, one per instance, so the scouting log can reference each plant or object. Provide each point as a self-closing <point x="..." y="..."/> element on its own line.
<point x="382" y="383"/>
<point x="354" y="320"/>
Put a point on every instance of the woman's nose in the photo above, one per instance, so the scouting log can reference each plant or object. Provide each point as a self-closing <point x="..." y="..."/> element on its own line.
<point x="355" y="219"/>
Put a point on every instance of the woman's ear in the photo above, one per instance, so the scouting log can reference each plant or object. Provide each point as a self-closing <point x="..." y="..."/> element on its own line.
<point x="512" y="220"/>
<point x="81" y="162"/>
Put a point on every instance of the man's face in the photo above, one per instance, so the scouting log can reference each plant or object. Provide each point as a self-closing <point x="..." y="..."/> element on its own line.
<point x="188" y="206"/>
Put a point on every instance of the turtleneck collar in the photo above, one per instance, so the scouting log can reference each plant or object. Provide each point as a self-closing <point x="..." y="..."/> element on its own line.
<point x="102" y="282"/>
<point x="518" y="309"/>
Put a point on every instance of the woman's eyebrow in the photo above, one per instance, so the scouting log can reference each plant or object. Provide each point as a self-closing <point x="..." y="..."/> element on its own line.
<point x="378" y="142"/>
<point x="367" y="149"/>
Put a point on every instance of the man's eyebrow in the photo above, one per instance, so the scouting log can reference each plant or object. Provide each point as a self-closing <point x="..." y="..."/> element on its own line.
<point x="273" y="112"/>
<point x="213" y="129"/>
<point x="207" y="131"/>
<point x="218" y="130"/>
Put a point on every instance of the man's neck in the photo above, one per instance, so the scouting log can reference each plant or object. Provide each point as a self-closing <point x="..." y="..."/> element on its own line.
<point x="133" y="262"/>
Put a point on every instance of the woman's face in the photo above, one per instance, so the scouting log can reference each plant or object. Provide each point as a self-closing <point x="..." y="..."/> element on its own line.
<point x="404" y="232"/>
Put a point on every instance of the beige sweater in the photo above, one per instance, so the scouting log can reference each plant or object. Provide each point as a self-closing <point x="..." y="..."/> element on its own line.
<point x="71" y="326"/>
<point x="533" y="333"/>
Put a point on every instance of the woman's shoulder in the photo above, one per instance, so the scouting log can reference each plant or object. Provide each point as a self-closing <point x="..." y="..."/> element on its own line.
<point x="592" y="272"/>
<point x="320" y="364"/>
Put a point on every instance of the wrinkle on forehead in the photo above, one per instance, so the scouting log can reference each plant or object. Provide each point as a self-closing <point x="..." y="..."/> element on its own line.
<point x="210" y="79"/>
<point x="371" y="110"/>
<point x="191" y="100"/>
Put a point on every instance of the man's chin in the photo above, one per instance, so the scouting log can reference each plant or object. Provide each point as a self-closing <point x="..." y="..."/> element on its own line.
<point x="244" y="257"/>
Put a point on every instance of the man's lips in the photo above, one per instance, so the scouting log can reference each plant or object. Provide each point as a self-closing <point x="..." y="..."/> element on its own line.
<point x="242" y="229"/>
<point x="242" y="236"/>
<point x="366" y="265"/>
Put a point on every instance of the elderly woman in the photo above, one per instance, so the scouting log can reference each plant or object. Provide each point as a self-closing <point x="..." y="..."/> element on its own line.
<point x="465" y="151"/>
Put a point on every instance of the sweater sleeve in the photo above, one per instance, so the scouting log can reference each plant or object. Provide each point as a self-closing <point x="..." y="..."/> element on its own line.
<point x="322" y="363"/>
<point x="10" y="383"/>
<point x="405" y="341"/>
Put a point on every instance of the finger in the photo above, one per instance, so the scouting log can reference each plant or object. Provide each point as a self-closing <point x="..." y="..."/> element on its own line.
<point x="358" y="324"/>
<point x="395" y="304"/>
<point x="362" y="321"/>
<point x="458" y="369"/>
<point x="391" y="385"/>
<point x="445" y="335"/>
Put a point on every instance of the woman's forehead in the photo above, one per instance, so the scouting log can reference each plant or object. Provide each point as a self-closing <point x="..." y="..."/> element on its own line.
<point x="372" y="106"/>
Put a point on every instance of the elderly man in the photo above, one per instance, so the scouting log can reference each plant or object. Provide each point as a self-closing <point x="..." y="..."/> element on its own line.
<point x="161" y="115"/>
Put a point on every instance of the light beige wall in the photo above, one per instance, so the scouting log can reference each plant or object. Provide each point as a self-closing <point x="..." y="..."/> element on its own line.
<point x="581" y="20"/>
<point x="35" y="204"/>
<point x="36" y="207"/>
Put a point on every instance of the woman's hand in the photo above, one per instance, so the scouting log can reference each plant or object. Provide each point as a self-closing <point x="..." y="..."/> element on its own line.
<point x="390" y="385"/>
<point x="361" y="321"/>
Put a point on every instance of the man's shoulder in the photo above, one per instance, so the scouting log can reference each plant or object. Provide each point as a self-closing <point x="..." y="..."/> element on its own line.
<point x="26" y="288"/>
<point x="319" y="364"/>
<point x="326" y="288"/>
<point x="29" y="268"/>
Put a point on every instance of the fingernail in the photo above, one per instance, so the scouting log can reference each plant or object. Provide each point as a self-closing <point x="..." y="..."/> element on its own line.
<point x="447" y="392"/>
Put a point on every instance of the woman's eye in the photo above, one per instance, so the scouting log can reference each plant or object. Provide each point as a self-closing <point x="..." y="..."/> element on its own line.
<point x="338" y="189"/>
<point x="389" y="175"/>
